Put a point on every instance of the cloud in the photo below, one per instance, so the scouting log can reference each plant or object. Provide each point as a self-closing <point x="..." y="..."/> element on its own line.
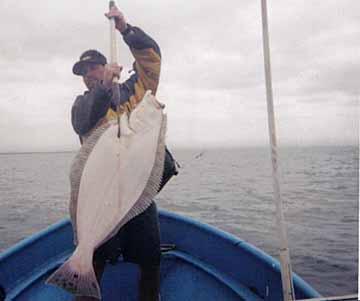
<point x="212" y="72"/>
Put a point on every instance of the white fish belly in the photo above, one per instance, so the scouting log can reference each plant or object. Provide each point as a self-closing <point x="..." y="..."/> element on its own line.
<point x="116" y="174"/>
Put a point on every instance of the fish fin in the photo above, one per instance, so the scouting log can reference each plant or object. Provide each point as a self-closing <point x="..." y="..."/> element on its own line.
<point x="154" y="182"/>
<point x="72" y="278"/>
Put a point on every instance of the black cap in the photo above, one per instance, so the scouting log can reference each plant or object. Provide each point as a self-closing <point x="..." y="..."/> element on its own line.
<point x="88" y="57"/>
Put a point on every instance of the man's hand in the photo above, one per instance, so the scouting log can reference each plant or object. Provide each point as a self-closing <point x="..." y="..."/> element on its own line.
<point x="111" y="71"/>
<point x="120" y="22"/>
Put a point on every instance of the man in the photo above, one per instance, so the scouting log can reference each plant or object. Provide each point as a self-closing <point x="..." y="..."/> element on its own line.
<point x="95" y="107"/>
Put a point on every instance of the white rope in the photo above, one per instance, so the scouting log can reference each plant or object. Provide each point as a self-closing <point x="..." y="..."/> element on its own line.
<point x="286" y="274"/>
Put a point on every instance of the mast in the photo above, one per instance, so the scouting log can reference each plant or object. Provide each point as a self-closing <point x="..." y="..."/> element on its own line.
<point x="286" y="274"/>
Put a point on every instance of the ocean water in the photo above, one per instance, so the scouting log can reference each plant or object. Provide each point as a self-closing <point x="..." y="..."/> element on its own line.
<point x="230" y="189"/>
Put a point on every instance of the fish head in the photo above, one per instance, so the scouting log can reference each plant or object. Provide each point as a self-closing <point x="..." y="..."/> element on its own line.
<point x="147" y="113"/>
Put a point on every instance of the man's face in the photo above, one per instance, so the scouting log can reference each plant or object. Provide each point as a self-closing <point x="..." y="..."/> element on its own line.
<point x="93" y="73"/>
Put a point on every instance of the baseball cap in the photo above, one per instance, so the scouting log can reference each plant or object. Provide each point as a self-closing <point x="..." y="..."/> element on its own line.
<point x="91" y="56"/>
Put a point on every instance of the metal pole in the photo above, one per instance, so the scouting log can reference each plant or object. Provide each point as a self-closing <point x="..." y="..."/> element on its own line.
<point x="286" y="274"/>
<point x="114" y="59"/>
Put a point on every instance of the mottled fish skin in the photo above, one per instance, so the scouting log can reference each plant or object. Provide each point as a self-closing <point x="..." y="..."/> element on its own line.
<point x="148" y="122"/>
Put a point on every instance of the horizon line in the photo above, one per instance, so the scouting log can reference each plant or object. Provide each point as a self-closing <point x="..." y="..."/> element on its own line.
<point x="191" y="147"/>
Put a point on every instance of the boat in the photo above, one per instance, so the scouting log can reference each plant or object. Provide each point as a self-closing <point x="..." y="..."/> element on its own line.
<point x="199" y="262"/>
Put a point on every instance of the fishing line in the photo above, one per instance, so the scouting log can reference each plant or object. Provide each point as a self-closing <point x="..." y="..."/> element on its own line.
<point x="194" y="158"/>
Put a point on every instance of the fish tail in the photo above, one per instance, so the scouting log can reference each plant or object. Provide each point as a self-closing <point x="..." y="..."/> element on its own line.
<point x="77" y="276"/>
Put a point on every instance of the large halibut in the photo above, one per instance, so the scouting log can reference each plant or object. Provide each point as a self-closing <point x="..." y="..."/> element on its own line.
<point x="112" y="180"/>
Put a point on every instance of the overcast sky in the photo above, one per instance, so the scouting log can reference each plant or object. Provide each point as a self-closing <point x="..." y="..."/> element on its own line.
<point x="212" y="78"/>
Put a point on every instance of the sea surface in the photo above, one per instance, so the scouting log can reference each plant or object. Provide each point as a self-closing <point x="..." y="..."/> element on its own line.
<point x="230" y="189"/>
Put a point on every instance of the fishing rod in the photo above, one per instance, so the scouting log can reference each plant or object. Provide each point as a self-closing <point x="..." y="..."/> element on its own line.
<point x="286" y="273"/>
<point x="114" y="59"/>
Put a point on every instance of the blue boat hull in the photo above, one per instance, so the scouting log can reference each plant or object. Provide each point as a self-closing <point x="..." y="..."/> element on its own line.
<point x="207" y="264"/>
